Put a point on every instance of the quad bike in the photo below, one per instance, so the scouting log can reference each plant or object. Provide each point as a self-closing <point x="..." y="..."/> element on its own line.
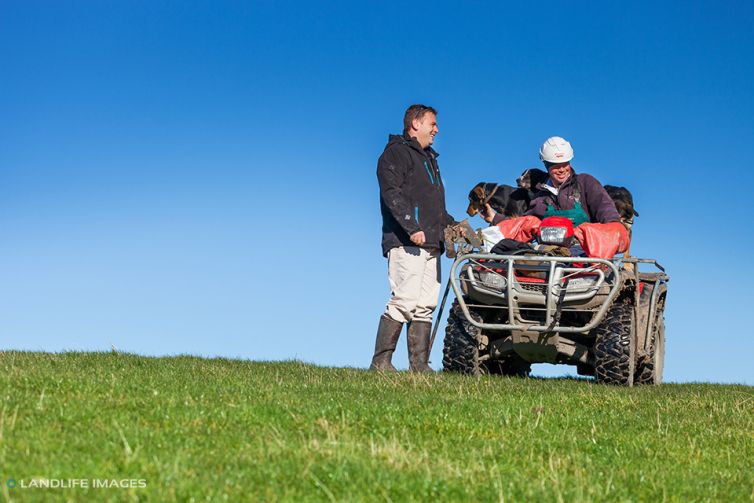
<point x="534" y="306"/>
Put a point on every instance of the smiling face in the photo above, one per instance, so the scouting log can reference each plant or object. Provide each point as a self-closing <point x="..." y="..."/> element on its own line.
<point x="559" y="172"/>
<point x="425" y="129"/>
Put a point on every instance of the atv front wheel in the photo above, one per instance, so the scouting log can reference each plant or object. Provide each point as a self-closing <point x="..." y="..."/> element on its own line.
<point x="461" y="351"/>
<point x="614" y="347"/>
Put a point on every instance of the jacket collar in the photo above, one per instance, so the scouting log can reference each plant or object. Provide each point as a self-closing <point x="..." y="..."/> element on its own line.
<point x="548" y="186"/>
<point x="414" y="143"/>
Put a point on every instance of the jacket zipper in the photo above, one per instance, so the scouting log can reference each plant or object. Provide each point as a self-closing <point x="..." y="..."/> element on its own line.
<point x="429" y="172"/>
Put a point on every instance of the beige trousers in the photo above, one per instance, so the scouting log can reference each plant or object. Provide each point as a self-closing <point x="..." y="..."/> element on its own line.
<point x="414" y="275"/>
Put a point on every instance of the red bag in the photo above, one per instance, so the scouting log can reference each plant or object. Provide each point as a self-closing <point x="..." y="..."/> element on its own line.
<point x="522" y="229"/>
<point x="602" y="240"/>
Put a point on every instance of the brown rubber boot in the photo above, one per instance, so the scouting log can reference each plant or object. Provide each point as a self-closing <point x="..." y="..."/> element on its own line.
<point x="418" y="346"/>
<point x="387" y="338"/>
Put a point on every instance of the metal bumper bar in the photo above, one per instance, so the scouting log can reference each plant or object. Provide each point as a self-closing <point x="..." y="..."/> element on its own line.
<point x="555" y="291"/>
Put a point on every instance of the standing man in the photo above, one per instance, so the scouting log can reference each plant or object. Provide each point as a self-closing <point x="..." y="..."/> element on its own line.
<point x="412" y="200"/>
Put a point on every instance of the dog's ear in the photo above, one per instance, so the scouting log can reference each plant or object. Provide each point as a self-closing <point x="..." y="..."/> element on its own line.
<point x="524" y="181"/>
<point x="536" y="176"/>
<point x="473" y="193"/>
<point x="480" y="193"/>
<point x="476" y="198"/>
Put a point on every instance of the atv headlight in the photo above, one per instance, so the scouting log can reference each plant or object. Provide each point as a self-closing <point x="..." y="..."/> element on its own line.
<point x="552" y="235"/>
<point x="493" y="280"/>
<point x="556" y="231"/>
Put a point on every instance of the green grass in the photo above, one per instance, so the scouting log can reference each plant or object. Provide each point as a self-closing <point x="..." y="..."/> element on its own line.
<point x="215" y="429"/>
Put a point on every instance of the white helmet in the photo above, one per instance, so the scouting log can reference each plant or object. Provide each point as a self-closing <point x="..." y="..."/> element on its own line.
<point x="556" y="150"/>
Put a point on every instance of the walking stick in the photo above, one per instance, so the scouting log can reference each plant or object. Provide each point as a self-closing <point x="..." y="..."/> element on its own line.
<point x="439" y="316"/>
<point x="467" y="240"/>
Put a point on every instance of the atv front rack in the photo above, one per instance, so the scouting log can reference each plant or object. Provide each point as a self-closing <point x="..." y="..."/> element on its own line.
<point x="535" y="283"/>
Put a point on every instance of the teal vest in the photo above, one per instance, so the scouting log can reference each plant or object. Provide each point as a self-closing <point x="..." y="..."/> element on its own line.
<point x="577" y="215"/>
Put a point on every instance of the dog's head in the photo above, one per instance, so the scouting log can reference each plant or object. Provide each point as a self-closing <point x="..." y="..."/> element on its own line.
<point x="479" y="196"/>
<point x="624" y="202"/>
<point x="530" y="178"/>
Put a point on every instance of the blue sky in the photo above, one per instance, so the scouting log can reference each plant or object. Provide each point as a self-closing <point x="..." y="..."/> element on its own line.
<point x="199" y="177"/>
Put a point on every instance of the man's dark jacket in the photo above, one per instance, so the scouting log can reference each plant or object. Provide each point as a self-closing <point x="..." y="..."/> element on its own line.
<point x="412" y="196"/>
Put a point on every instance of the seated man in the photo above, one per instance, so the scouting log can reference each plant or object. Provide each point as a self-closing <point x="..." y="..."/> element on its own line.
<point x="579" y="197"/>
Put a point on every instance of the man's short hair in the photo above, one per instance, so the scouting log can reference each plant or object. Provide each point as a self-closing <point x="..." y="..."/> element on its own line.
<point x="415" y="112"/>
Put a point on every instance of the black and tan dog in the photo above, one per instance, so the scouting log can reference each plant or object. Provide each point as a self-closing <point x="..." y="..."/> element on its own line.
<point x="530" y="178"/>
<point x="504" y="199"/>
<point x="624" y="203"/>
<point x="508" y="201"/>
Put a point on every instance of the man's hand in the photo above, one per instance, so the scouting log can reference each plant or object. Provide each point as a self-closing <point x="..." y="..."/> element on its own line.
<point x="418" y="238"/>
<point x="488" y="214"/>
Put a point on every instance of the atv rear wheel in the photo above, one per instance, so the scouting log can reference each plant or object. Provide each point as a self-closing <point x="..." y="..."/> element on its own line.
<point x="461" y="351"/>
<point x="649" y="369"/>
<point x="615" y="345"/>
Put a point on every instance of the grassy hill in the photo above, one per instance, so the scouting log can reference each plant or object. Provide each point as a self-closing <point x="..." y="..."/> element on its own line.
<point x="214" y="429"/>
